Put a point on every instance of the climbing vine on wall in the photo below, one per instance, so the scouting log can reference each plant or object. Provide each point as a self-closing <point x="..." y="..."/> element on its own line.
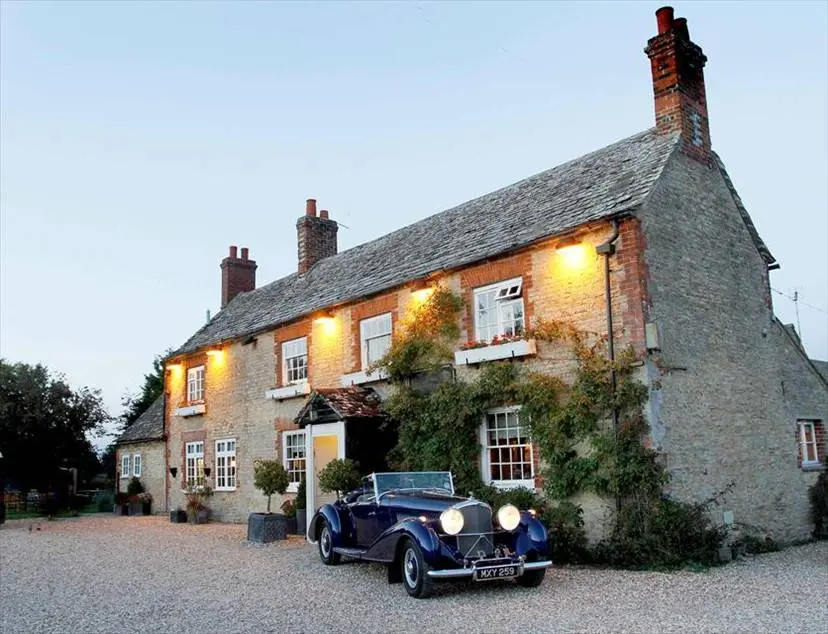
<point x="571" y="425"/>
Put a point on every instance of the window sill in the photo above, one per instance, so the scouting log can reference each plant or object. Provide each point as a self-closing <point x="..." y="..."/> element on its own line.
<point x="224" y="489"/>
<point x="288" y="391"/>
<point x="511" y="349"/>
<point x="191" y="410"/>
<point x="812" y="466"/>
<point x="506" y="485"/>
<point x="358" y="378"/>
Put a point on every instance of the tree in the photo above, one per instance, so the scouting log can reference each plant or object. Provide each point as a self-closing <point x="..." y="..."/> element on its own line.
<point x="136" y="404"/>
<point x="269" y="476"/>
<point x="340" y="475"/>
<point x="44" y="426"/>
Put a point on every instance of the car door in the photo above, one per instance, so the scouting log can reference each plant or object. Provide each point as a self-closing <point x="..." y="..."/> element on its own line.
<point x="367" y="517"/>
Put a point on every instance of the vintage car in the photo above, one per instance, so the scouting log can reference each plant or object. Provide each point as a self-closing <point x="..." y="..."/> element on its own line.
<point x="425" y="533"/>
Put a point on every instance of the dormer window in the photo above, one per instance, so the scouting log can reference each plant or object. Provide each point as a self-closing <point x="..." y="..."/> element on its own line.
<point x="195" y="384"/>
<point x="498" y="310"/>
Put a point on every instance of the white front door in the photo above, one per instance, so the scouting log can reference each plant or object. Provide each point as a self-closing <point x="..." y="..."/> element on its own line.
<point x="324" y="443"/>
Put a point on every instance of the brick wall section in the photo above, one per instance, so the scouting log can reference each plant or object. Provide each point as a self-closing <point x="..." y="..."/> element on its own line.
<point x="316" y="240"/>
<point x="715" y="389"/>
<point x="153" y="470"/>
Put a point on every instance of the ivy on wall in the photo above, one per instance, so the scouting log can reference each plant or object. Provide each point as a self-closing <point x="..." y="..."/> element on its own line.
<point x="570" y="423"/>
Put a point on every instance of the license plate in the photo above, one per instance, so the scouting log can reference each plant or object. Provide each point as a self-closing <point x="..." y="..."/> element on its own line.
<point x="496" y="572"/>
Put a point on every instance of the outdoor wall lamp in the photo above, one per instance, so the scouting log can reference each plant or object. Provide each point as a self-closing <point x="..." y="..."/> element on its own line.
<point x="207" y="471"/>
<point x="173" y="471"/>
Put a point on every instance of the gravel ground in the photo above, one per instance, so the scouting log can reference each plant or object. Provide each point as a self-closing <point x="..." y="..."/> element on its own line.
<point x="143" y="574"/>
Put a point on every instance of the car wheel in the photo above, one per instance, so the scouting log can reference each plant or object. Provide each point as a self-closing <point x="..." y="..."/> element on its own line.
<point x="325" y="542"/>
<point x="415" y="571"/>
<point x="531" y="578"/>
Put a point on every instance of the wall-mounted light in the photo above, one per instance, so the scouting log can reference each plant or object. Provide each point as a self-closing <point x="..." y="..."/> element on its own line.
<point x="572" y="252"/>
<point x="207" y="471"/>
<point x="173" y="471"/>
<point x="420" y="296"/>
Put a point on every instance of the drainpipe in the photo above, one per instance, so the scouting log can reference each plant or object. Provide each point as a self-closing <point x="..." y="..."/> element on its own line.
<point x="607" y="249"/>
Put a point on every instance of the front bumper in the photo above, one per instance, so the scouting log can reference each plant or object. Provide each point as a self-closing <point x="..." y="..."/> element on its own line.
<point x="459" y="573"/>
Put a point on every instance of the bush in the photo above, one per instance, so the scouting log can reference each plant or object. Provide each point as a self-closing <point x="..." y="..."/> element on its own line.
<point x="818" y="494"/>
<point x="105" y="503"/>
<point x="121" y="498"/>
<point x="269" y="476"/>
<point x="339" y="476"/>
<point x="134" y="487"/>
<point x="301" y="496"/>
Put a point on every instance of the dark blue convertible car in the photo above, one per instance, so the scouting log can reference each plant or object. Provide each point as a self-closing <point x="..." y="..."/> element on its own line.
<point x="425" y="533"/>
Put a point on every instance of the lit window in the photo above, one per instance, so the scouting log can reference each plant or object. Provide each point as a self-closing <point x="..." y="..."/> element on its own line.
<point x="225" y="465"/>
<point x="195" y="384"/>
<point x="136" y="465"/>
<point x="507" y="450"/>
<point x="375" y="336"/>
<point x="293" y="456"/>
<point x="295" y="361"/>
<point x="195" y="462"/>
<point x="125" y="466"/>
<point x="810" y="434"/>
<point x="498" y="310"/>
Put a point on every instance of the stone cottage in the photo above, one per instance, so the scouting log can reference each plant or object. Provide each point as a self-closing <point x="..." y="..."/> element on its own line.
<point x="140" y="453"/>
<point x="652" y="222"/>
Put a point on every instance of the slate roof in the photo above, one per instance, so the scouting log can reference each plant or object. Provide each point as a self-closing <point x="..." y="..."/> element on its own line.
<point x="822" y="368"/>
<point x="148" y="426"/>
<point x="343" y="403"/>
<point x="605" y="183"/>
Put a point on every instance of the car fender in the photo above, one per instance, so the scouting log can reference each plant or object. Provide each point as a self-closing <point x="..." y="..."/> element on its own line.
<point x="385" y="546"/>
<point x="329" y="514"/>
<point x="531" y="536"/>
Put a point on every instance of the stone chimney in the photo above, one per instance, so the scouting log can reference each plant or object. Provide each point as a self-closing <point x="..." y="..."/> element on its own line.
<point x="678" y="84"/>
<point x="238" y="275"/>
<point x="316" y="236"/>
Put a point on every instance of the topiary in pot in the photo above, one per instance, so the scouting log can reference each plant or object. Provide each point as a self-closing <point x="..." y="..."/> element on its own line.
<point x="301" y="508"/>
<point x="339" y="476"/>
<point x="269" y="476"/>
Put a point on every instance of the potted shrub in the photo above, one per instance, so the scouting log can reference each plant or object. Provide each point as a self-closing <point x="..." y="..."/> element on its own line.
<point x="178" y="516"/>
<point x="301" y="508"/>
<point x="146" y="502"/>
<point x="122" y="503"/>
<point x="269" y="476"/>
<point x="197" y="510"/>
<point x="134" y="491"/>
<point x="289" y="509"/>
<point x="339" y="476"/>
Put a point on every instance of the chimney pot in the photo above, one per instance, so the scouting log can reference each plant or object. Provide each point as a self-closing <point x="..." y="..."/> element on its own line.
<point x="244" y="253"/>
<point x="680" y="27"/>
<point x="234" y="252"/>
<point x="323" y="214"/>
<point x="664" y="16"/>
<point x="310" y="208"/>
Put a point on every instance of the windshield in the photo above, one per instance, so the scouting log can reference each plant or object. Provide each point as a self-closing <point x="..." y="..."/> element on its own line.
<point x="433" y="480"/>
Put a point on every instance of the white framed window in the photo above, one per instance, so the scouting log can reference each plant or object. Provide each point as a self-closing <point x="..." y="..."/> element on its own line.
<point x="136" y="465"/>
<point x="226" y="465"/>
<point x="293" y="457"/>
<point x="124" y="466"/>
<point x="295" y="361"/>
<point x="375" y="338"/>
<point x="809" y="450"/>
<point x="194" y="462"/>
<point x="195" y="384"/>
<point x="498" y="310"/>
<point x="507" y="459"/>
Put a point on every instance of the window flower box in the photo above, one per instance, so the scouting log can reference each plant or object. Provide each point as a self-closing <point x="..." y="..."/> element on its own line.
<point x="365" y="376"/>
<point x="288" y="391"/>
<point x="508" y="350"/>
<point x="191" y="410"/>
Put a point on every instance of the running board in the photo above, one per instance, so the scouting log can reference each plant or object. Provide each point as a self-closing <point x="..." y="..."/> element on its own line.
<point x="356" y="553"/>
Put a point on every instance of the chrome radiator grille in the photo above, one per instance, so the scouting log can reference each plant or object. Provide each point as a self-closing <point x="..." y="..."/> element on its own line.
<point x="476" y="536"/>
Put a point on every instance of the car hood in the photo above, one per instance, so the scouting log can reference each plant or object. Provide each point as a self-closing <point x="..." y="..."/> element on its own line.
<point x="423" y="501"/>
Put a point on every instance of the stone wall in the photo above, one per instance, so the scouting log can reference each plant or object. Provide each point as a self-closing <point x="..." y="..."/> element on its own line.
<point x="153" y="470"/>
<point x="717" y="406"/>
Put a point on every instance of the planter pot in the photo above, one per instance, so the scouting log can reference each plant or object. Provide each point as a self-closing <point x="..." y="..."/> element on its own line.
<point x="146" y="508"/>
<point x="201" y="516"/>
<point x="263" y="528"/>
<point x="178" y="516"/>
<point x="291" y="525"/>
<point x="301" y="521"/>
<point x="509" y="350"/>
<point x="136" y="509"/>
<point x="124" y="509"/>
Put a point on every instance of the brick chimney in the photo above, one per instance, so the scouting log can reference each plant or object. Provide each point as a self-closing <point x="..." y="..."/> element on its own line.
<point x="238" y="275"/>
<point x="678" y="84"/>
<point x="316" y="236"/>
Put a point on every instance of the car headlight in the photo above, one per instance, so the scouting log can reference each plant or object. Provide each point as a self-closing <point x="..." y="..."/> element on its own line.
<point x="508" y="517"/>
<point x="452" y="521"/>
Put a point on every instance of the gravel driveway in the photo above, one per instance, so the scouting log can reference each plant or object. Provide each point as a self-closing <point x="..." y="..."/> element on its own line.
<point x="143" y="574"/>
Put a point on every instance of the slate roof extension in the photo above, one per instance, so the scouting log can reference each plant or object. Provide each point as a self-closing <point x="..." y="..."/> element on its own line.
<point x="149" y="425"/>
<point x="606" y="183"/>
